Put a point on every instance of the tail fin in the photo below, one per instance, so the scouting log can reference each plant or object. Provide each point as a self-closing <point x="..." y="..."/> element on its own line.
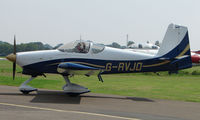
<point x="176" y="45"/>
<point x="175" y="42"/>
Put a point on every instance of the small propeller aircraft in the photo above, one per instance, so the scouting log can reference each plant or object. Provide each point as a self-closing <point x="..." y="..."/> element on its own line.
<point x="88" y="58"/>
<point x="195" y="56"/>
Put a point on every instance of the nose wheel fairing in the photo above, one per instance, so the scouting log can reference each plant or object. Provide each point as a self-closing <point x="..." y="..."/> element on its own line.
<point x="26" y="89"/>
<point x="75" y="89"/>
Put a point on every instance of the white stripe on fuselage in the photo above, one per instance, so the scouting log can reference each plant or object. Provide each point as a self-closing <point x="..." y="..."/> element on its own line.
<point x="27" y="58"/>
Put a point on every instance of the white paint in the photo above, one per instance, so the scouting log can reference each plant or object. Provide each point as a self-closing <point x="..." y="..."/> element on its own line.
<point x="173" y="37"/>
<point x="26" y="58"/>
<point x="147" y="51"/>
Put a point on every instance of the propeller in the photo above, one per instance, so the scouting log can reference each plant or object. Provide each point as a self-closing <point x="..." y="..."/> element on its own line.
<point x="14" y="62"/>
<point x="12" y="57"/>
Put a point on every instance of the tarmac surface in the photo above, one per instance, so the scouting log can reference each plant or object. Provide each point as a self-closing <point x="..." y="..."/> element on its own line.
<point x="56" y="105"/>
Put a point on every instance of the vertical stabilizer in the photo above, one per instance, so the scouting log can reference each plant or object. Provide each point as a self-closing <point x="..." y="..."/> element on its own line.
<point x="176" y="47"/>
<point x="175" y="42"/>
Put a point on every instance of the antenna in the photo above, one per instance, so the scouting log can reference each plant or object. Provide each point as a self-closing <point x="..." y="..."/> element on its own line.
<point x="80" y="37"/>
<point x="127" y="40"/>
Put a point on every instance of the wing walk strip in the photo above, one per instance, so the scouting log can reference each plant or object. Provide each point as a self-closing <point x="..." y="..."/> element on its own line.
<point x="68" y="111"/>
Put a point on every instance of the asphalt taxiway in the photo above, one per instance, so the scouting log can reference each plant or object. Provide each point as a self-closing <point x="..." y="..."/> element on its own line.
<point x="51" y="105"/>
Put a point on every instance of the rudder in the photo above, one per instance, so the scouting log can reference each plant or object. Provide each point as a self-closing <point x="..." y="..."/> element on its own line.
<point x="175" y="42"/>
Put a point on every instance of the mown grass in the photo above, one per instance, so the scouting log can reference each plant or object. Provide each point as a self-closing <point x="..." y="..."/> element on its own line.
<point x="184" y="86"/>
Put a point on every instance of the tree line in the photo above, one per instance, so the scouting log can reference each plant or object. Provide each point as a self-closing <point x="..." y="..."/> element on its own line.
<point x="7" y="48"/>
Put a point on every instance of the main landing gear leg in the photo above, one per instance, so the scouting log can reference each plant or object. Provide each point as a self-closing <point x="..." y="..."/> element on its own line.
<point x="25" y="89"/>
<point x="73" y="89"/>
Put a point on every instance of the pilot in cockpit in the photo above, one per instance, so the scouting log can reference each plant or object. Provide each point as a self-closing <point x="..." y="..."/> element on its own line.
<point x="81" y="47"/>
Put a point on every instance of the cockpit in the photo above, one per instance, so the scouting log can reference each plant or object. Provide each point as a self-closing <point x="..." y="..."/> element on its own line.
<point x="81" y="46"/>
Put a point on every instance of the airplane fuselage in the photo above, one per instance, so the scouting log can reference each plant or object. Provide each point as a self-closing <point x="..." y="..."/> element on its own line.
<point x="110" y="60"/>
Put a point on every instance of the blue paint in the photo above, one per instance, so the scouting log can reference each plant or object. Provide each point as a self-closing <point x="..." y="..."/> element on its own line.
<point x="74" y="66"/>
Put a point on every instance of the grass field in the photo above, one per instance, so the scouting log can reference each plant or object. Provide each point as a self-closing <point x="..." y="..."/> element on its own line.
<point x="184" y="86"/>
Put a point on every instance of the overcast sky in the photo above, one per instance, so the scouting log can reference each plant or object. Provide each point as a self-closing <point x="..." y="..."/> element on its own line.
<point x="102" y="21"/>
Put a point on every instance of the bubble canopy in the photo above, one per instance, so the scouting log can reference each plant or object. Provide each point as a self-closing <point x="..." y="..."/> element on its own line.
<point x="80" y="46"/>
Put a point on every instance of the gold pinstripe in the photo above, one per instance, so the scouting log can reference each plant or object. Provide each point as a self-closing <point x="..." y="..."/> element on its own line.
<point x="100" y="66"/>
<point x="157" y="64"/>
<point x="184" y="51"/>
<point x="54" y="64"/>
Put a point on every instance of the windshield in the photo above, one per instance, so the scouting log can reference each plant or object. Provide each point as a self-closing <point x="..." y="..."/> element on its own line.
<point x="79" y="46"/>
<point x="97" y="48"/>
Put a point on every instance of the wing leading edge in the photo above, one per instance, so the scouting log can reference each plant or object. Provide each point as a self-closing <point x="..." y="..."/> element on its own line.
<point x="78" y="69"/>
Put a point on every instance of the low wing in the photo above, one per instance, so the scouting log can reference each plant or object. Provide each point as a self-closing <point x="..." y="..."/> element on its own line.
<point x="78" y="69"/>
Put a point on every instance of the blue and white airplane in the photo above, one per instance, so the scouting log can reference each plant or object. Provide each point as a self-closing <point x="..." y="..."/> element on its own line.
<point x="87" y="58"/>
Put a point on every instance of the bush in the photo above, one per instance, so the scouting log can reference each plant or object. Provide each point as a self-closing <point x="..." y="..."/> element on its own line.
<point x="195" y="72"/>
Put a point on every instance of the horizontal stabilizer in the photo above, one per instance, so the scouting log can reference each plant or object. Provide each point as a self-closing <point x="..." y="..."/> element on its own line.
<point x="177" y="60"/>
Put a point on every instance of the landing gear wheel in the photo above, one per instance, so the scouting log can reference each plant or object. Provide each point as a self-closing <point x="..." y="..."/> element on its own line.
<point x="25" y="89"/>
<point x="25" y="92"/>
<point x="72" y="89"/>
<point x="73" y="94"/>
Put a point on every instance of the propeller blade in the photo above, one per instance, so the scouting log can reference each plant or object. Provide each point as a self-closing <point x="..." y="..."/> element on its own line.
<point x="14" y="69"/>
<point x="14" y="63"/>
<point x="14" y="51"/>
